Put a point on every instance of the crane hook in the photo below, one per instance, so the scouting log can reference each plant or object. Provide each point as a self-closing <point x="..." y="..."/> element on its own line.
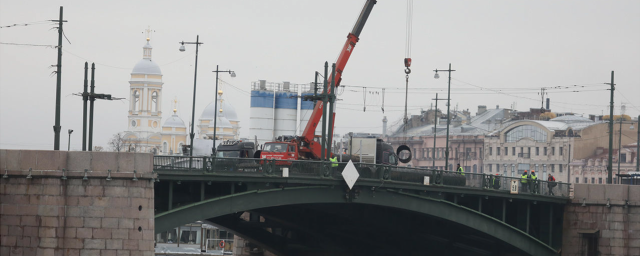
<point x="407" y="71"/>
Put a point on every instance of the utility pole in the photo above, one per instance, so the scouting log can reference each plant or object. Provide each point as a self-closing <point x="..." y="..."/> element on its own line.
<point x="57" y="127"/>
<point x="638" y="146"/>
<point x="542" y="94"/>
<point x="90" y="96"/>
<point x="446" y="150"/>
<point x="619" y="148"/>
<point x="92" y="100"/>
<point x="609" y="164"/>
<point x="332" y="99"/>
<point x="435" y="130"/>
<point x="85" y="98"/>
<point x="324" y="112"/>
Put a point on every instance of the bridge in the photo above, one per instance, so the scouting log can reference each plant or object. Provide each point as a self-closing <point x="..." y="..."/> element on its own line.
<point x="307" y="208"/>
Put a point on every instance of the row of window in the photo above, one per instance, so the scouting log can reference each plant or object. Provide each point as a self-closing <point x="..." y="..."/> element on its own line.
<point x="522" y="151"/>
<point x="439" y="153"/>
<point x="521" y="167"/>
<point x="473" y="168"/>
<point x="593" y="180"/>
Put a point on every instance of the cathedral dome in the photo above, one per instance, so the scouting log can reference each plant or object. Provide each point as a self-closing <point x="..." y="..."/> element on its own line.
<point x="228" y="111"/>
<point x="174" y="121"/>
<point x="146" y="67"/>
<point x="221" y="123"/>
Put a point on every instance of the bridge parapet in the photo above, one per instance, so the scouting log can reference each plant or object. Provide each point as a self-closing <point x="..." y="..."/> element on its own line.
<point x="322" y="172"/>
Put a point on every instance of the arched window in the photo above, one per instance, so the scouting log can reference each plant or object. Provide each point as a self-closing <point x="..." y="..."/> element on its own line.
<point x="154" y="102"/>
<point x="164" y="147"/>
<point x="136" y="100"/>
<point x="526" y="131"/>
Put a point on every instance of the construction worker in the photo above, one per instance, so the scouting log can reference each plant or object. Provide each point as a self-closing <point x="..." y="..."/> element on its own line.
<point x="533" y="180"/>
<point x="496" y="181"/>
<point x="551" y="182"/>
<point x="334" y="162"/>
<point x="523" y="181"/>
<point x="460" y="170"/>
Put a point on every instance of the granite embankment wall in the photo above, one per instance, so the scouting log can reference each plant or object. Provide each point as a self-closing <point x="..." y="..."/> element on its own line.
<point x="51" y="212"/>
<point x="603" y="218"/>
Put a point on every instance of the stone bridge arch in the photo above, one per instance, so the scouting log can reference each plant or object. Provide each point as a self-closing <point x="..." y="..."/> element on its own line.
<point x="466" y="220"/>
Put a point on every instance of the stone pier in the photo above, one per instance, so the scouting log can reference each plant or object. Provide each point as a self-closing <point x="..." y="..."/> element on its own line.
<point x="46" y="211"/>
<point x="602" y="219"/>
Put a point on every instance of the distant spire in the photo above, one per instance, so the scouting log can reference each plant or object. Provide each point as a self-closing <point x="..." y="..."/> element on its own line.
<point x="146" y="50"/>
<point x="175" y="105"/>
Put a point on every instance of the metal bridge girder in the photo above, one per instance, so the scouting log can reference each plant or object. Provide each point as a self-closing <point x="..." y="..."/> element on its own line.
<point x="250" y="200"/>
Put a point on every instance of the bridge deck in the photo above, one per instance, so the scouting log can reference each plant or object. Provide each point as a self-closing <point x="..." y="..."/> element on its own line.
<point x="322" y="173"/>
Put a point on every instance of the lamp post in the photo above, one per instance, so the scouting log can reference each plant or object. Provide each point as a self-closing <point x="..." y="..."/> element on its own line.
<point x="69" y="144"/>
<point x="446" y="150"/>
<point x="193" y="109"/>
<point x="215" y="104"/>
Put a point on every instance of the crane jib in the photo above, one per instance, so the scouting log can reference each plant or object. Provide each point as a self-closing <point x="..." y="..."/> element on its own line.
<point x="345" y="53"/>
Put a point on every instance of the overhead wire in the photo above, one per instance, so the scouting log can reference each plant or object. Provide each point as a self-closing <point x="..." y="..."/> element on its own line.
<point x="116" y="67"/>
<point x="38" y="45"/>
<point x="34" y="23"/>
<point x="628" y="101"/>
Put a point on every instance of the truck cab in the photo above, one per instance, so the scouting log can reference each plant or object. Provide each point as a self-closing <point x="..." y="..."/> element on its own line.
<point x="280" y="150"/>
<point x="235" y="149"/>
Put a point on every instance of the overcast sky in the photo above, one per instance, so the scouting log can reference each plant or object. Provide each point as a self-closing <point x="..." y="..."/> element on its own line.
<point x="510" y="49"/>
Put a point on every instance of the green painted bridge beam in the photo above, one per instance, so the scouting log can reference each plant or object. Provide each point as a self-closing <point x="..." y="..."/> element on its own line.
<point x="249" y="200"/>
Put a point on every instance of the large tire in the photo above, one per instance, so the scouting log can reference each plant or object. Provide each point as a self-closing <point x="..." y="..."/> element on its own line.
<point x="403" y="148"/>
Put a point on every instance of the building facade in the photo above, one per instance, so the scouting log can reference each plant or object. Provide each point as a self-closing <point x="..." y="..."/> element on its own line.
<point x="593" y="170"/>
<point x="540" y="146"/>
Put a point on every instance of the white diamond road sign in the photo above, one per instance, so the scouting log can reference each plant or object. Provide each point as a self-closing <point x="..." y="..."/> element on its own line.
<point x="350" y="174"/>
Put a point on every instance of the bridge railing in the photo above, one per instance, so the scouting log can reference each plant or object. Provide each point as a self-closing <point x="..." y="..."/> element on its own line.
<point x="377" y="172"/>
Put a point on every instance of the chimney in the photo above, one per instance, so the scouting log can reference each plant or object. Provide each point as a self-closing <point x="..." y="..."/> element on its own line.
<point x="548" y="104"/>
<point x="384" y="126"/>
<point x="497" y="106"/>
<point x="481" y="109"/>
<point x="263" y="84"/>
<point x="285" y="86"/>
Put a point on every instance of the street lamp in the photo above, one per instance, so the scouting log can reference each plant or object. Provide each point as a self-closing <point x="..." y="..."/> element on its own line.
<point x="446" y="150"/>
<point x="195" y="76"/>
<point x="215" y="104"/>
<point x="69" y="144"/>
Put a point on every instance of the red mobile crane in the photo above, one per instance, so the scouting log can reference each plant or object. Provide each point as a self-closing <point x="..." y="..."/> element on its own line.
<point x="308" y="147"/>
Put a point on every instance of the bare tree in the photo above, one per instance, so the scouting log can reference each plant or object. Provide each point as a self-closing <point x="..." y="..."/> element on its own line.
<point x="98" y="148"/>
<point x="117" y="143"/>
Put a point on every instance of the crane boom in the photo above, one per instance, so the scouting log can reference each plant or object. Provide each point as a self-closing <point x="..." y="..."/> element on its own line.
<point x="307" y="136"/>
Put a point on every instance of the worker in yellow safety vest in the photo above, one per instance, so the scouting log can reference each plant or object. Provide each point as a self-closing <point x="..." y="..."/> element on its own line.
<point x="523" y="181"/>
<point x="460" y="170"/>
<point x="334" y="162"/>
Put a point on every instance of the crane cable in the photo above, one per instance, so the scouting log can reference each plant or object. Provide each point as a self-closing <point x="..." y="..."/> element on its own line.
<point x="407" y="58"/>
<point x="406" y="157"/>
